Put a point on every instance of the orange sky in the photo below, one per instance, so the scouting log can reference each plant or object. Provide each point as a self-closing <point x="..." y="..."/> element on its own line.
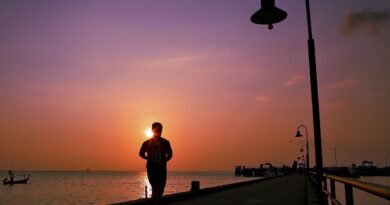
<point x="78" y="91"/>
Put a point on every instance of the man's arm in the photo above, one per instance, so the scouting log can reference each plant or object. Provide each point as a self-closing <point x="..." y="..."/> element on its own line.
<point x="169" y="154"/>
<point x="142" y="151"/>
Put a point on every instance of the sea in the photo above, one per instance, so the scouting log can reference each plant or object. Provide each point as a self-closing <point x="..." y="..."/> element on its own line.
<point x="100" y="187"/>
<point x="105" y="187"/>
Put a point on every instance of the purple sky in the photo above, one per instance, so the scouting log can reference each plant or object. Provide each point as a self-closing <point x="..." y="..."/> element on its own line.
<point x="87" y="76"/>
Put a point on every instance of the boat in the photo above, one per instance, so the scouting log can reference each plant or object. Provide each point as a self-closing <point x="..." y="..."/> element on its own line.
<point x="22" y="181"/>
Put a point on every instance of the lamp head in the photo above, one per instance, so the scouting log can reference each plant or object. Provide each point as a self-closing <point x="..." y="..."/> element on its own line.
<point x="268" y="14"/>
<point x="298" y="134"/>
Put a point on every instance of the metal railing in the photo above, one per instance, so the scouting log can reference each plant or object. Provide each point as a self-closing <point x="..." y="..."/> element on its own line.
<point x="350" y="183"/>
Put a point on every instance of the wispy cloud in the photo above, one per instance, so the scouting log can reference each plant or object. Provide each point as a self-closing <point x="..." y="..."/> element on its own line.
<point x="263" y="98"/>
<point x="365" y="20"/>
<point x="295" y="80"/>
<point x="175" y="60"/>
<point x="343" y="84"/>
<point x="179" y="59"/>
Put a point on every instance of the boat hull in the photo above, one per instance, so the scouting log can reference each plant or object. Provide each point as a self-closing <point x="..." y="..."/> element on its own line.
<point x="23" y="181"/>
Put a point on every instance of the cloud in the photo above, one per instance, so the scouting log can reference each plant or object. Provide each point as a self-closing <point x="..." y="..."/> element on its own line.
<point x="263" y="98"/>
<point x="295" y="80"/>
<point x="365" y="20"/>
<point x="175" y="60"/>
<point x="343" y="84"/>
<point x="179" y="59"/>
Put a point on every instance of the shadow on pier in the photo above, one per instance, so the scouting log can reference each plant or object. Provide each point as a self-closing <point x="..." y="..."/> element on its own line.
<point x="292" y="189"/>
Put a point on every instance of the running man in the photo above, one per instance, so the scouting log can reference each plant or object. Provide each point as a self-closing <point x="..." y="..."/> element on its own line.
<point x="157" y="151"/>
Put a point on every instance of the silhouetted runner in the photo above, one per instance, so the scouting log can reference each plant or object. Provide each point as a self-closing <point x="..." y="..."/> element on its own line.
<point x="157" y="151"/>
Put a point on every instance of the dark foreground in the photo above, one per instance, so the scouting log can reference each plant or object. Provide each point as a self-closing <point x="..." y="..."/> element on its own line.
<point x="281" y="190"/>
<point x="284" y="190"/>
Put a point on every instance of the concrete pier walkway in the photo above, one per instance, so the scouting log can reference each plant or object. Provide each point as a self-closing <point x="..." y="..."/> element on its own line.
<point x="292" y="189"/>
<point x="283" y="190"/>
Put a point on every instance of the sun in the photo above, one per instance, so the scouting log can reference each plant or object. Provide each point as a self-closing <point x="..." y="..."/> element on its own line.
<point x="149" y="133"/>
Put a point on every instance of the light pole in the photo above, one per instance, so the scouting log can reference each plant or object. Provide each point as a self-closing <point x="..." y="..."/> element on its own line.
<point x="268" y="15"/>
<point x="307" y="146"/>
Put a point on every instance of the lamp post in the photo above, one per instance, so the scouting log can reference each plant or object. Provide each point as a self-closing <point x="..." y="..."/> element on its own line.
<point x="269" y="15"/>
<point x="307" y="146"/>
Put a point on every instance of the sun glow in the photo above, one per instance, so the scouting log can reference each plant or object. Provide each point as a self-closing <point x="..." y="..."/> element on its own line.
<point x="149" y="133"/>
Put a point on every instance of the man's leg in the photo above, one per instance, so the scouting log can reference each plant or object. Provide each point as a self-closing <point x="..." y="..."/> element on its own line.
<point x="162" y="180"/>
<point x="160" y="190"/>
<point x="152" y="176"/>
<point x="155" y="193"/>
<point x="160" y="184"/>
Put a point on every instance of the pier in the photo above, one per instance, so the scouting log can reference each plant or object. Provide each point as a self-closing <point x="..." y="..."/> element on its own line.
<point x="292" y="189"/>
<point x="281" y="190"/>
<point x="278" y="190"/>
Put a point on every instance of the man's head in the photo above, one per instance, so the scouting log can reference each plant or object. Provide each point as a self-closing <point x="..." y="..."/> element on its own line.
<point x="157" y="129"/>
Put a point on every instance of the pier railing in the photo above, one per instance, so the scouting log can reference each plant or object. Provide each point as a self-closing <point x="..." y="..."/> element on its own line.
<point x="350" y="183"/>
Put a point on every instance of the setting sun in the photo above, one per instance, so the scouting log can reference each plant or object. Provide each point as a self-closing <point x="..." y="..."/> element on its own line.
<point x="149" y="132"/>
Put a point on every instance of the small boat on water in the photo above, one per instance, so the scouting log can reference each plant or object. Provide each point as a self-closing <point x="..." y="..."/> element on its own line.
<point x="21" y="181"/>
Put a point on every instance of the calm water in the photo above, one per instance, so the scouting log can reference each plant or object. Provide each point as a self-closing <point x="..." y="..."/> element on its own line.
<point x="361" y="197"/>
<point x="68" y="188"/>
<point x="100" y="187"/>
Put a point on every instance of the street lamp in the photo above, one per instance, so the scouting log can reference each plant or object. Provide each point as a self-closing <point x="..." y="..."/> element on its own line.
<point x="270" y="14"/>
<point x="307" y="146"/>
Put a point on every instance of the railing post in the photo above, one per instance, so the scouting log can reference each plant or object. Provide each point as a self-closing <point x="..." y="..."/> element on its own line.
<point x="325" y="184"/>
<point x="332" y="190"/>
<point x="326" y="189"/>
<point x="348" y="194"/>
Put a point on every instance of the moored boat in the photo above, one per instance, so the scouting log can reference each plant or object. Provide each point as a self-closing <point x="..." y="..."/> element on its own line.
<point x="11" y="182"/>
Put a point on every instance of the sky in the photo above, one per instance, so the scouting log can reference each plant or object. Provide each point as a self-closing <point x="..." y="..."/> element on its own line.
<point x="81" y="81"/>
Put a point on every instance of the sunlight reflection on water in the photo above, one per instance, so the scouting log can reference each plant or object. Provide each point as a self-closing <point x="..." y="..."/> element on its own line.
<point x="145" y="183"/>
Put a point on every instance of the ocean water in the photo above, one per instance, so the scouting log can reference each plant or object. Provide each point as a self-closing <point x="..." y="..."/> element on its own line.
<point x="76" y="188"/>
